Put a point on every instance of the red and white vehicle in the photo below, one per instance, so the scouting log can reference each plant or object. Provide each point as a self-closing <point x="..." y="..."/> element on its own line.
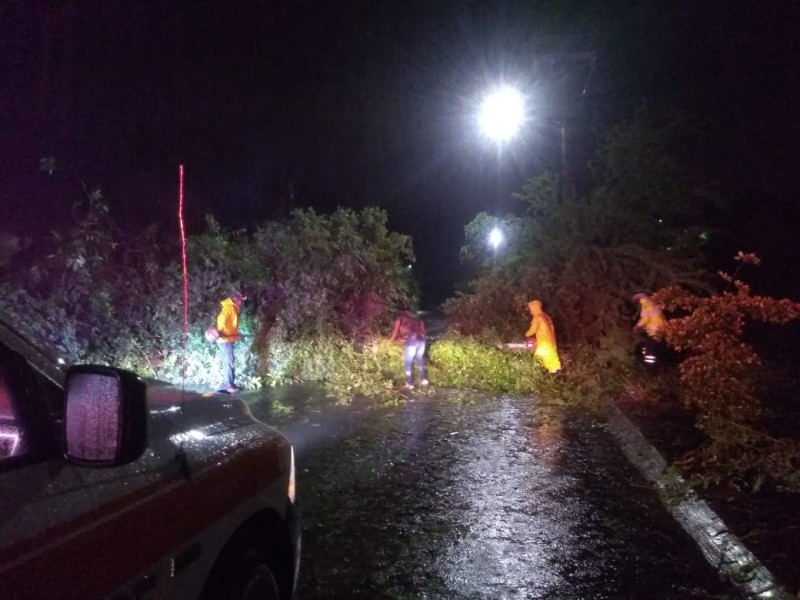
<point x="113" y="487"/>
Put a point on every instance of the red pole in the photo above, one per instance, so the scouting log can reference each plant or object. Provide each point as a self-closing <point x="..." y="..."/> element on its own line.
<point x="185" y="271"/>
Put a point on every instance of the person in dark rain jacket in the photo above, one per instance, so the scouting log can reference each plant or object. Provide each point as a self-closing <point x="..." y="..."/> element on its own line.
<point x="411" y="331"/>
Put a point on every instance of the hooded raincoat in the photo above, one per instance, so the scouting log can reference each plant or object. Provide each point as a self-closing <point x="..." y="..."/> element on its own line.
<point x="542" y="329"/>
<point x="651" y="319"/>
<point x="228" y="322"/>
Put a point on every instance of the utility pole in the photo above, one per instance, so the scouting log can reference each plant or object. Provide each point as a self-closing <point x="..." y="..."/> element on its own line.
<point x="568" y="61"/>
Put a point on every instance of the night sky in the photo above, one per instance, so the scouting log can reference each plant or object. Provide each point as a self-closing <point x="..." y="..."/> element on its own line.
<point x="273" y="105"/>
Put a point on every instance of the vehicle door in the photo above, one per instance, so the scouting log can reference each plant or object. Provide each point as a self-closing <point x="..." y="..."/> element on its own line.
<point x="76" y="532"/>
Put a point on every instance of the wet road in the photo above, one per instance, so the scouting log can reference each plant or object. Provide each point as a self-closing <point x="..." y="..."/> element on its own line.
<point x="457" y="496"/>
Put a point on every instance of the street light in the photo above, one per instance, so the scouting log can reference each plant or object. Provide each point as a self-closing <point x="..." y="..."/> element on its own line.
<point x="502" y="115"/>
<point x="495" y="238"/>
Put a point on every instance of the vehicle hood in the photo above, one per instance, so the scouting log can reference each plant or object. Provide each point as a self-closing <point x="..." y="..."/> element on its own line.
<point x="203" y="412"/>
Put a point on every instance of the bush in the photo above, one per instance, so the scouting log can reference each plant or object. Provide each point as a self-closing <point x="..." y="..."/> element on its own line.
<point x="466" y="363"/>
<point x="584" y="257"/>
<point x="344" y="273"/>
<point x="720" y="378"/>
<point x="344" y="368"/>
<point x="97" y="294"/>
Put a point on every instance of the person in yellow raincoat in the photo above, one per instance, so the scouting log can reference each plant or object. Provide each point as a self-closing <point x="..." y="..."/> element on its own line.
<point x="651" y="319"/>
<point x="228" y="326"/>
<point x="542" y="329"/>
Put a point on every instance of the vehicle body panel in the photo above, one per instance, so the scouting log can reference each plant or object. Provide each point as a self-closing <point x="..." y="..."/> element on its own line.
<point x="151" y="528"/>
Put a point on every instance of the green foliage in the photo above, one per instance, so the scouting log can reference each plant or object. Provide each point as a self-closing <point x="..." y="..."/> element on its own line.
<point x="200" y="364"/>
<point x="584" y="258"/>
<point x="375" y="369"/>
<point x="342" y="367"/>
<point x="598" y="371"/>
<point x="99" y="295"/>
<point x="319" y="286"/>
<point x="342" y="273"/>
<point x="495" y="309"/>
<point x="221" y="262"/>
<point x="78" y="291"/>
<point x="590" y="373"/>
<point x="719" y="375"/>
<point x="466" y="363"/>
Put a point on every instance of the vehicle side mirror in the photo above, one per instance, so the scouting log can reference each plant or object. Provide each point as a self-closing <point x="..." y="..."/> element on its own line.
<point x="105" y="416"/>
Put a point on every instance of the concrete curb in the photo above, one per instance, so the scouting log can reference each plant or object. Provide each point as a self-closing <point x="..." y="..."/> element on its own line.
<point x="723" y="550"/>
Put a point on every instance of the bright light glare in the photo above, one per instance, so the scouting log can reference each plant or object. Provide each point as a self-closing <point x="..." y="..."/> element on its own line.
<point x="502" y="114"/>
<point x="192" y="435"/>
<point x="495" y="238"/>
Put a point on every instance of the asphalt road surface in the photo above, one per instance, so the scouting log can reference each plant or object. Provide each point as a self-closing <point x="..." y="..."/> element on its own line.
<point x="449" y="495"/>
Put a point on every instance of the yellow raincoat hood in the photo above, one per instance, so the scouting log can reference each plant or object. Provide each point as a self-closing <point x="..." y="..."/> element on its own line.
<point x="535" y="306"/>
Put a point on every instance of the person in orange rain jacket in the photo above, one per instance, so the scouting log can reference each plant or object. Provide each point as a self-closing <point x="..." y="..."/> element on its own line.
<point x="542" y="329"/>
<point x="651" y="319"/>
<point x="228" y="326"/>
<point x="411" y="331"/>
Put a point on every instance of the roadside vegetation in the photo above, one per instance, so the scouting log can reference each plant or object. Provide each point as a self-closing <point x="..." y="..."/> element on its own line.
<point x="323" y="291"/>
<point x="645" y="224"/>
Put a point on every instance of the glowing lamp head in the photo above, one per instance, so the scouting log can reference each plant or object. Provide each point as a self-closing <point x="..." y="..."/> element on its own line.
<point x="495" y="238"/>
<point x="502" y="114"/>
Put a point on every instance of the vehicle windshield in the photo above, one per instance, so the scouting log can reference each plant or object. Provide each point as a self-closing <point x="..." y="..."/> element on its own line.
<point x="35" y="352"/>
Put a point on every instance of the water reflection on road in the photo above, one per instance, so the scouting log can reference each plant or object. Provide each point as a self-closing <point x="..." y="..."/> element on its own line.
<point x="453" y="495"/>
